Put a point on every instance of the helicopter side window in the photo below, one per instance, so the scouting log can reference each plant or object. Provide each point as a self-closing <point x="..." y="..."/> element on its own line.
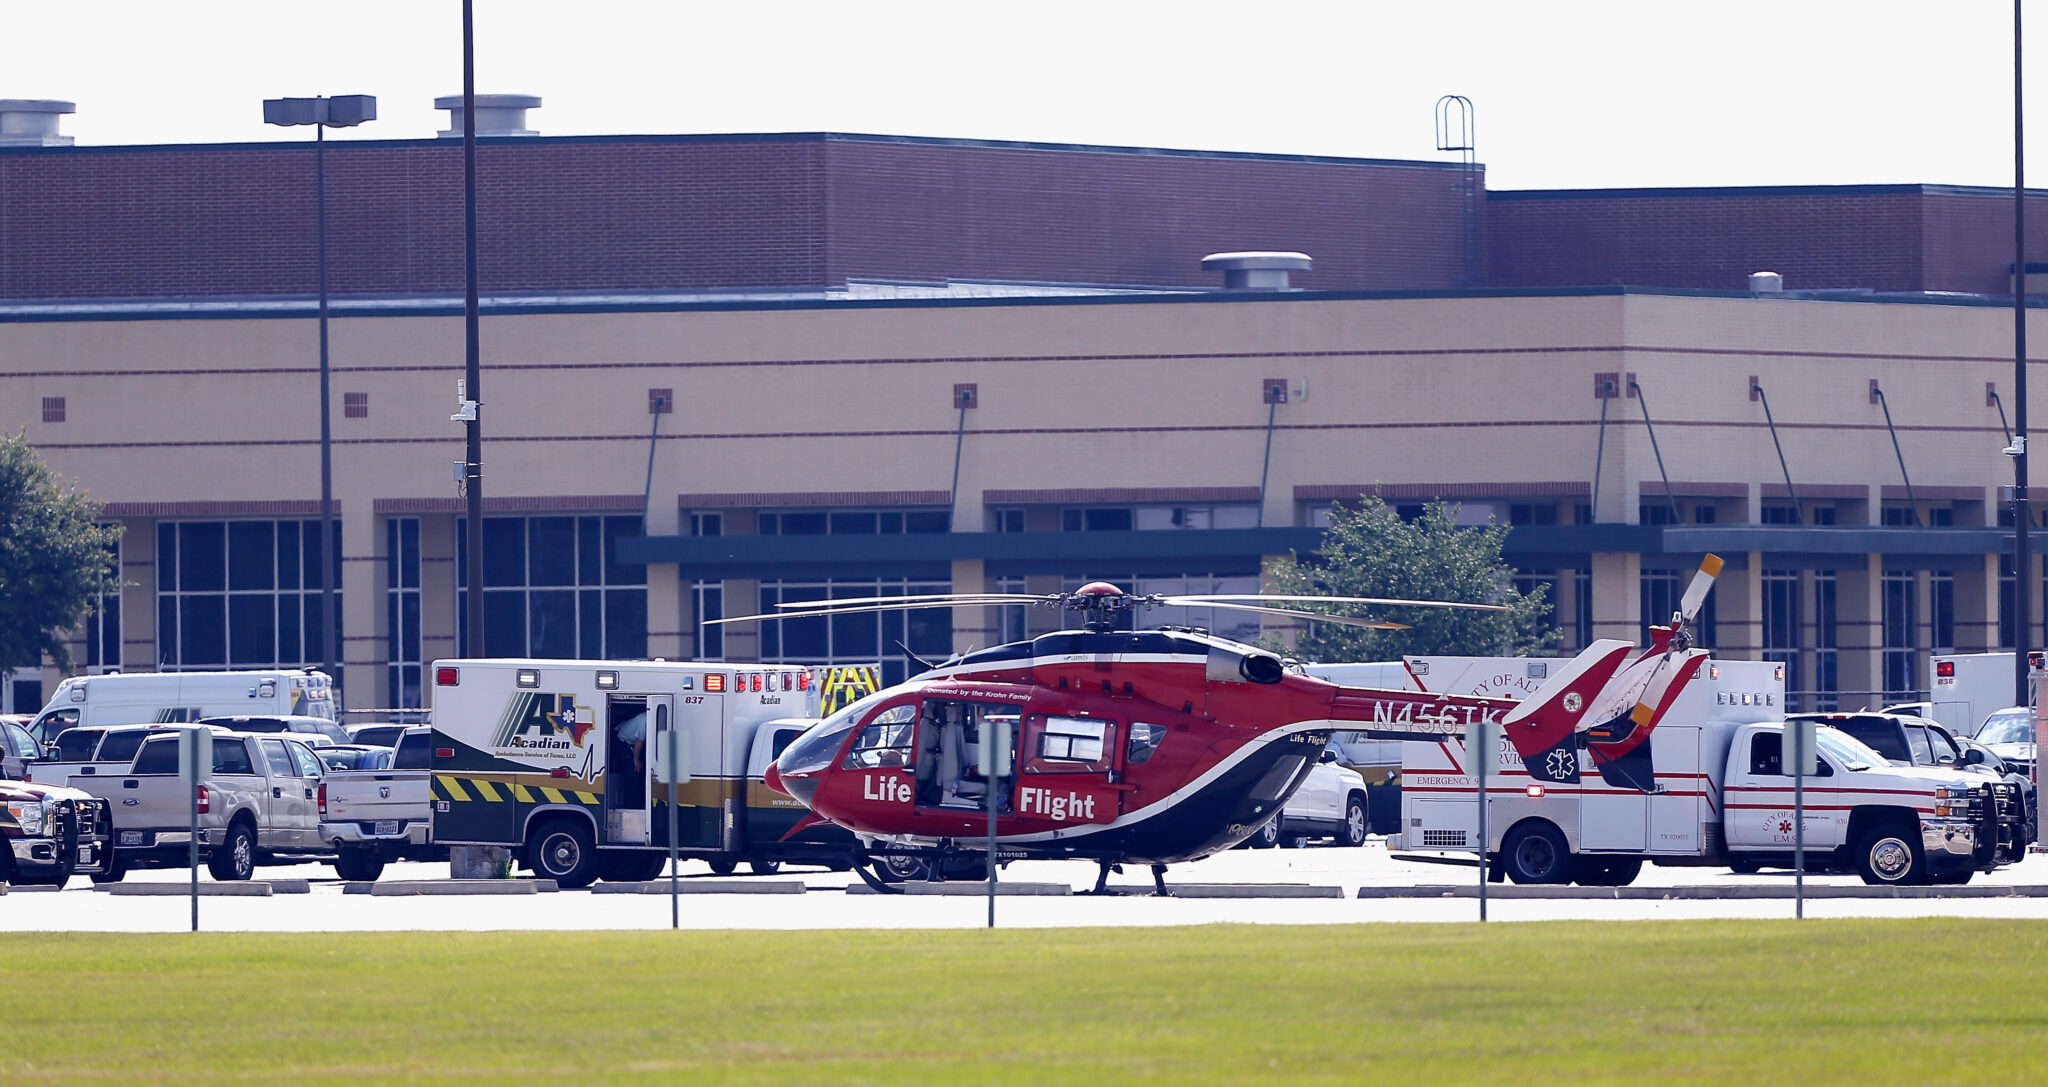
<point x="1068" y="745"/>
<point x="886" y="741"/>
<point x="1145" y="739"/>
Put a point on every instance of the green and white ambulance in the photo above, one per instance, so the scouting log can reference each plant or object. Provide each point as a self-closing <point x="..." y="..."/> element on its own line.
<point x="555" y="759"/>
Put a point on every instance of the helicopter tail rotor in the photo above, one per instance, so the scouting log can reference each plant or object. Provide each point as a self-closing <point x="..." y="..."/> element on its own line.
<point x="1544" y="728"/>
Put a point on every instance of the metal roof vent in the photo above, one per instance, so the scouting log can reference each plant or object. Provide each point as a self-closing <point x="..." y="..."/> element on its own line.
<point x="496" y="114"/>
<point x="32" y="122"/>
<point x="1256" y="271"/>
<point x="1766" y="282"/>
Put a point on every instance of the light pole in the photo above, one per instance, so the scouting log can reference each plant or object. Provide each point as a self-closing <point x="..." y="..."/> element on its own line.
<point x="340" y="111"/>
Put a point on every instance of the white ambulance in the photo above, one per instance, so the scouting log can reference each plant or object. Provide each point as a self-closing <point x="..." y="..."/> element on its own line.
<point x="1721" y="797"/>
<point x="555" y="759"/>
<point x="153" y="698"/>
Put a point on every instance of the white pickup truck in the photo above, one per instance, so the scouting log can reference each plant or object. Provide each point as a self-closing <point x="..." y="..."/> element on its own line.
<point x="258" y="803"/>
<point x="371" y="817"/>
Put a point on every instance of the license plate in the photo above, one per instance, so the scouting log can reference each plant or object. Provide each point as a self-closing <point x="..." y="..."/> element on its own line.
<point x="85" y="854"/>
<point x="131" y="837"/>
<point x="386" y="826"/>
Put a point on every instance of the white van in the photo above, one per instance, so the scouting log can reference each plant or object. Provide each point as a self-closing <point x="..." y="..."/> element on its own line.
<point x="147" y="698"/>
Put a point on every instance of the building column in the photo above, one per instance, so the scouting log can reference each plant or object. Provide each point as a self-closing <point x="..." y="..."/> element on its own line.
<point x="138" y="596"/>
<point x="973" y="628"/>
<point x="1859" y="628"/>
<point x="668" y="612"/>
<point x="1618" y="596"/>
<point x="364" y="679"/>
<point x="742" y="640"/>
<point x="438" y="579"/>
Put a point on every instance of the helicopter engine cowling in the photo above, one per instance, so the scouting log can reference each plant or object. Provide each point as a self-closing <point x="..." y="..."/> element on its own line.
<point x="1227" y="665"/>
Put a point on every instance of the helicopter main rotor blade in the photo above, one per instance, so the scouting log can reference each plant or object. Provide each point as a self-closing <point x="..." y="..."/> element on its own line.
<point x="1314" y="616"/>
<point x="1191" y="601"/>
<point x="937" y="598"/>
<point x="821" y="613"/>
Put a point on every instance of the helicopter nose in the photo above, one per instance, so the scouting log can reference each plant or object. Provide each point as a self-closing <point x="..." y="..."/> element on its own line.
<point x="803" y="788"/>
<point x="773" y="779"/>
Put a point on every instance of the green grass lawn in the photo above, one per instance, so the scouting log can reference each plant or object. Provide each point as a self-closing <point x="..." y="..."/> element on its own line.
<point x="1727" y="1003"/>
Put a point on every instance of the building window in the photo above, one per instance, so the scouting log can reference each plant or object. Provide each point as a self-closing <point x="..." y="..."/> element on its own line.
<point x="1532" y="513"/>
<point x="1781" y="622"/>
<point x="242" y="594"/>
<point x="709" y="597"/>
<point x="402" y="610"/>
<point x="355" y="405"/>
<point x="1941" y="604"/>
<point x="1007" y="519"/>
<point x="852" y="522"/>
<point x="888" y="638"/>
<point x="53" y="409"/>
<point x="1656" y="513"/>
<point x="553" y="587"/>
<point x="1162" y="517"/>
<point x="103" y="623"/>
<point x="707" y="524"/>
<point x="1777" y="515"/>
<point x="1900" y="622"/>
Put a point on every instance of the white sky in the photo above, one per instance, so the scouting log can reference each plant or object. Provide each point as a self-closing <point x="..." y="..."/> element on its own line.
<point x="1569" y="93"/>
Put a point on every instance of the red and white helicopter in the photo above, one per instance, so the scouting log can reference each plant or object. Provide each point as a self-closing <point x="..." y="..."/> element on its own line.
<point x="1166" y="745"/>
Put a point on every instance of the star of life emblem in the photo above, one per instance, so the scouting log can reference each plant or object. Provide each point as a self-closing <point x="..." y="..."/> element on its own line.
<point x="1560" y="764"/>
<point x="1573" y="701"/>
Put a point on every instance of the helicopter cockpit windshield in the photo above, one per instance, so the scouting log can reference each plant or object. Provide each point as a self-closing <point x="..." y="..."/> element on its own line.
<point x="819" y="745"/>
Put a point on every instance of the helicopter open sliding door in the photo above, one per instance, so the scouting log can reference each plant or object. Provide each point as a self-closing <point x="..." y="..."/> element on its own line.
<point x="1070" y="769"/>
<point x="950" y="734"/>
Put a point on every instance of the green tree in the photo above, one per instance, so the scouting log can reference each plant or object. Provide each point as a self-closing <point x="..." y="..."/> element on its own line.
<point x="1369" y="550"/>
<point x="53" y="558"/>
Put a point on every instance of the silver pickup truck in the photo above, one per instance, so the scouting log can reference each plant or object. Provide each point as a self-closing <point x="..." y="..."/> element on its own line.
<point x="259" y="802"/>
<point x="371" y="817"/>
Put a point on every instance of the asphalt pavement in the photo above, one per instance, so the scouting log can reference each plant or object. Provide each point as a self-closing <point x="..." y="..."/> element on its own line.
<point x="1324" y="885"/>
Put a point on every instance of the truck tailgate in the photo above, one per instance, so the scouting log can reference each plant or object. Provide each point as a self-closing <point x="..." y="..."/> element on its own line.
<point x="143" y="804"/>
<point x="385" y="801"/>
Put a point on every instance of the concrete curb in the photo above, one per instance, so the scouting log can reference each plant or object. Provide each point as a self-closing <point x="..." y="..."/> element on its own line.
<point x="291" y="886"/>
<point x="407" y="887"/>
<point x="969" y="889"/>
<point x="182" y="890"/>
<point x="1241" y="890"/>
<point x="702" y="887"/>
<point x="1699" y="894"/>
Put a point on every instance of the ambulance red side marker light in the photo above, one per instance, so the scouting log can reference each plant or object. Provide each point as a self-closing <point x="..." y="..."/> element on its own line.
<point x="1945" y="669"/>
<point x="447" y="677"/>
<point x="1534" y="791"/>
<point x="444" y="752"/>
<point x="714" y="682"/>
<point x="559" y="772"/>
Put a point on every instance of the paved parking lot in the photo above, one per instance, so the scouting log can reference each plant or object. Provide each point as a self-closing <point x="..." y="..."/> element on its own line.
<point x="825" y="902"/>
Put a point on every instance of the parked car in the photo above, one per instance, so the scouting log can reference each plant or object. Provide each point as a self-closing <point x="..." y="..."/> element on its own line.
<point x="51" y="833"/>
<point x="377" y="735"/>
<point x="257" y="804"/>
<point x="92" y="750"/>
<point x="2010" y="734"/>
<point x="314" y="731"/>
<point x="372" y="815"/>
<point x="354" y="757"/>
<point x="17" y="750"/>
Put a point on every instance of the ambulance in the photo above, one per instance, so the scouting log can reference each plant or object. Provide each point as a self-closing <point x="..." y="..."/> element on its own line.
<point x="556" y="759"/>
